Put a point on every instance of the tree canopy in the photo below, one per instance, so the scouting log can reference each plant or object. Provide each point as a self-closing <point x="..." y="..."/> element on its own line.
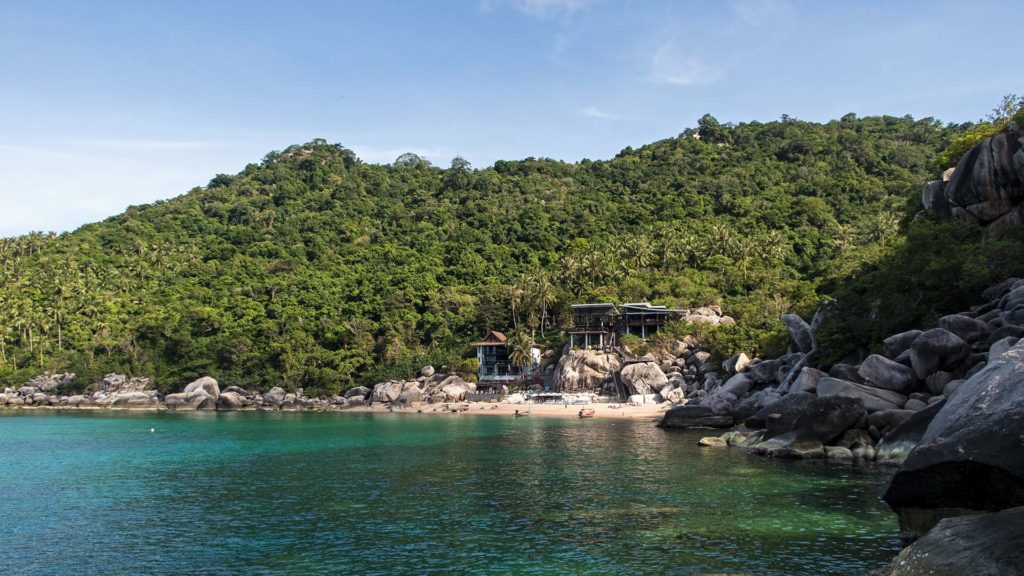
<point x="313" y="269"/>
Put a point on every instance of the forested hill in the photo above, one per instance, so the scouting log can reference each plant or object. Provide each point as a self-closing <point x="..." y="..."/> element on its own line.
<point x="313" y="269"/>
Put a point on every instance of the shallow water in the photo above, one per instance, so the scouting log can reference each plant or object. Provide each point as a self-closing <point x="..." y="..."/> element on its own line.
<point x="286" y="493"/>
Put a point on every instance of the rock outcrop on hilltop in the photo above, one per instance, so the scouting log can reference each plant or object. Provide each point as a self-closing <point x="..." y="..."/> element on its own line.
<point x="987" y="185"/>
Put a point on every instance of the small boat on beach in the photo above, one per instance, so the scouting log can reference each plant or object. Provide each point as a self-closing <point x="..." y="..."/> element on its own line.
<point x="519" y="414"/>
<point x="586" y="413"/>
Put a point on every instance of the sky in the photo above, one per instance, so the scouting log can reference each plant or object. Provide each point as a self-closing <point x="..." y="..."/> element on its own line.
<point x="104" y="105"/>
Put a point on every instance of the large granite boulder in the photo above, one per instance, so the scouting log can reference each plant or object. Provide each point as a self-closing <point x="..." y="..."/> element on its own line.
<point x="737" y="363"/>
<point x="934" y="200"/>
<point x="807" y="380"/>
<point x="737" y="386"/>
<point x="137" y="399"/>
<point x="692" y="416"/>
<point x="815" y="423"/>
<point x="967" y="328"/>
<point x="799" y="332"/>
<point x="795" y="445"/>
<point x="874" y="399"/>
<point x="207" y="384"/>
<point x="899" y="343"/>
<point x="897" y="443"/>
<point x="780" y="416"/>
<point x="584" y="370"/>
<point x="197" y="400"/>
<point x="411" y="395"/>
<point x="231" y="401"/>
<point x="879" y="372"/>
<point x="643" y="378"/>
<point x="989" y="173"/>
<point x="386" y="392"/>
<point x="976" y="545"/>
<point x="361" y="391"/>
<point x="971" y="458"/>
<point x="937" y="349"/>
<point x="274" y="397"/>
<point x="828" y="418"/>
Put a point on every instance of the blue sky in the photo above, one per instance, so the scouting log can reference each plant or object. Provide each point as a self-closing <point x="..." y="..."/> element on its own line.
<point x="108" y="104"/>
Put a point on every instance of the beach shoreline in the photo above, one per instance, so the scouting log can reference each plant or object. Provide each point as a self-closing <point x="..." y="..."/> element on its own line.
<point x="601" y="410"/>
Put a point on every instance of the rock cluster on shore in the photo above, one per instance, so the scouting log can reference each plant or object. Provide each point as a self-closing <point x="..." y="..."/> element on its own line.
<point x="945" y="404"/>
<point x="119" y="391"/>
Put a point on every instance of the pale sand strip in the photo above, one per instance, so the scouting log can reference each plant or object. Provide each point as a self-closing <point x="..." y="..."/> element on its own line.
<point x="643" y="411"/>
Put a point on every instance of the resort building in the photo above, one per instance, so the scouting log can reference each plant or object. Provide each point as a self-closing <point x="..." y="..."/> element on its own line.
<point x="644" y="319"/>
<point x="594" y="325"/>
<point x="601" y="325"/>
<point x="496" y="369"/>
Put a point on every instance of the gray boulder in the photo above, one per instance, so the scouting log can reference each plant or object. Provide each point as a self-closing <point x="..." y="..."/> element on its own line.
<point x="968" y="329"/>
<point x="411" y="395"/>
<point x="978" y="545"/>
<point x="643" y="378"/>
<point x="897" y="443"/>
<point x="738" y="385"/>
<point x="386" y="392"/>
<point x="736" y="364"/>
<point x="274" y="397"/>
<point x="988" y="172"/>
<point x="207" y="384"/>
<point x="765" y="371"/>
<point x="899" y="343"/>
<point x="1001" y="347"/>
<point x="874" y="399"/>
<point x="795" y="445"/>
<point x="937" y="382"/>
<point x="135" y="399"/>
<point x="691" y="416"/>
<point x="75" y="400"/>
<point x="976" y="440"/>
<point x="815" y="422"/>
<point x="781" y="416"/>
<point x="799" y="332"/>
<point x="361" y="391"/>
<point x="937" y="349"/>
<point x="452" y="392"/>
<point x="230" y="401"/>
<point x="889" y="419"/>
<point x="879" y="372"/>
<point x="807" y="381"/>
<point x="934" y="200"/>
<point x="197" y="400"/>
<point x="427" y="371"/>
<point x="845" y="372"/>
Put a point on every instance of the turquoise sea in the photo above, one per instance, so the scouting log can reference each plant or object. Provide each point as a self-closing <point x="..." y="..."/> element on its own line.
<point x="295" y="493"/>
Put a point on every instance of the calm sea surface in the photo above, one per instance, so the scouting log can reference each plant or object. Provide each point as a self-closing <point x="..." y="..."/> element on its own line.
<point x="273" y="493"/>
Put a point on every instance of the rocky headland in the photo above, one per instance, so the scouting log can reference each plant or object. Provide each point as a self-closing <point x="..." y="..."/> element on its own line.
<point x="943" y="404"/>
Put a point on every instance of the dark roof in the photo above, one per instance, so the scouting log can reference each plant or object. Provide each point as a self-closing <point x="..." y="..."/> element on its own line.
<point x="648" y="307"/>
<point x="606" y="307"/>
<point x="494" y="338"/>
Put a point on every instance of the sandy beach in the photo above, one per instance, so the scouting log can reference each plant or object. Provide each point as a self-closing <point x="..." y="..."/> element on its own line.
<point x="601" y="410"/>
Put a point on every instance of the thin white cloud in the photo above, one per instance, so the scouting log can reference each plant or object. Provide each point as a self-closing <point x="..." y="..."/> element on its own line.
<point x="539" y="8"/>
<point x="595" y="112"/>
<point x="670" y="66"/>
<point x="760" y="13"/>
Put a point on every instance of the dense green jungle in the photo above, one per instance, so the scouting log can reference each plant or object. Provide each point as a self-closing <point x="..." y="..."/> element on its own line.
<point x="312" y="269"/>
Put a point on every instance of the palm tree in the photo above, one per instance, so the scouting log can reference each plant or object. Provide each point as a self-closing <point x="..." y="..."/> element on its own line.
<point x="639" y="251"/>
<point x="519" y="347"/>
<point x="542" y="292"/>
